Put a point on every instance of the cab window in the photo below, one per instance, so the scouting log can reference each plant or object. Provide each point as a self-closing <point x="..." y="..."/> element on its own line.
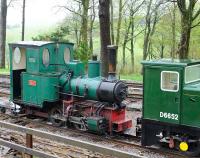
<point x="66" y="55"/>
<point x="170" y="81"/>
<point x="192" y="73"/>
<point x="45" y="57"/>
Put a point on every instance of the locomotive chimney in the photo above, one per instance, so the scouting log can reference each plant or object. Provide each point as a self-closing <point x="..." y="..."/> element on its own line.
<point x="112" y="61"/>
<point x="94" y="57"/>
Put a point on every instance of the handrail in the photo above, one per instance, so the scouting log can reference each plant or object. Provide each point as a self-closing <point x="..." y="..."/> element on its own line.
<point x="58" y="138"/>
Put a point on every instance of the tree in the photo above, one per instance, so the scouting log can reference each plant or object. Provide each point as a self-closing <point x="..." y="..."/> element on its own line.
<point x="74" y="24"/>
<point x="92" y="19"/>
<point x="79" y="10"/>
<point x="104" y="19"/>
<point x="112" y="22"/>
<point x="3" y="17"/>
<point x="23" y="19"/>
<point x="173" y="30"/>
<point x="133" y="7"/>
<point x="119" y="21"/>
<point x="151" y="20"/>
<point x="126" y="39"/>
<point x="84" y="25"/>
<point x="188" y="17"/>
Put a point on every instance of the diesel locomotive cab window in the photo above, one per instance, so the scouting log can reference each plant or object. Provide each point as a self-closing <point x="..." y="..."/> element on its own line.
<point x="170" y="81"/>
<point x="192" y="73"/>
<point x="45" y="57"/>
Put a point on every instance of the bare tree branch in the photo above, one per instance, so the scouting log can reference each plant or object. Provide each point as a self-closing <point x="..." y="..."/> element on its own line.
<point x="71" y="10"/>
<point x="197" y="24"/>
<point x="10" y="3"/>
<point x="196" y="15"/>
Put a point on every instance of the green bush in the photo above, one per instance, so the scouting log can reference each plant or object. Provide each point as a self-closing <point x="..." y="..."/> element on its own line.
<point x="59" y="35"/>
<point x="82" y="52"/>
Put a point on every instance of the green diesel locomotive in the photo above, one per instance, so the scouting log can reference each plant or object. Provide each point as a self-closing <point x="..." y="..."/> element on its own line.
<point x="171" y="104"/>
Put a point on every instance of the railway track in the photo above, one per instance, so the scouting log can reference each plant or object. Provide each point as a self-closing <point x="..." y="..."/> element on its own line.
<point x="43" y="145"/>
<point x="135" y="90"/>
<point x="128" y="143"/>
<point x="4" y="76"/>
<point x="125" y="143"/>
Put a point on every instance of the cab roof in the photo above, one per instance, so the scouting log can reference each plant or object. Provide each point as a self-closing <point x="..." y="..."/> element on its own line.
<point x="33" y="43"/>
<point x="172" y="62"/>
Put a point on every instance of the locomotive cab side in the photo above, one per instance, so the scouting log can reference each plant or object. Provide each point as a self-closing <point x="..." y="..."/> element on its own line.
<point x="171" y="112"/>
<point x="34" y="71"/>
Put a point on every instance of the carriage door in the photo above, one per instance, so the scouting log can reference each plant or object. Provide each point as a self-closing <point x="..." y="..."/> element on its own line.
<point x="170" y="95"/>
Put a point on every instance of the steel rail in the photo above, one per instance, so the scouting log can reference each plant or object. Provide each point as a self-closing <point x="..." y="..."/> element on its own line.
<point x="69" y="141"/>
<point x="26" y="150"/>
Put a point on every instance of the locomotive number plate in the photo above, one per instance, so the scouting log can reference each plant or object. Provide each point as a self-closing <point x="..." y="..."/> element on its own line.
<point x="32" y="82"/>
<point x="169" y="115"/>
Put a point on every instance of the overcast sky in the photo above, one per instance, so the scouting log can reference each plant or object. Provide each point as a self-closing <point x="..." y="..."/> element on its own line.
<point x="38" y="12"/>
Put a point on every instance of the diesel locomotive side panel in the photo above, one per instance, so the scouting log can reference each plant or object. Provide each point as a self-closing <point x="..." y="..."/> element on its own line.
<point x="162" y="94"/>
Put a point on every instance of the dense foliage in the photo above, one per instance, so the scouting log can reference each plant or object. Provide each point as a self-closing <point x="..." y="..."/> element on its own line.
<point x="59" y="35"/>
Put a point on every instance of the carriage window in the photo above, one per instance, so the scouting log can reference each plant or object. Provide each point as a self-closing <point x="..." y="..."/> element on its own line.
<point x="66" y="55"/>
<point x="170" y="81"/>
<point x="45" y="57"/>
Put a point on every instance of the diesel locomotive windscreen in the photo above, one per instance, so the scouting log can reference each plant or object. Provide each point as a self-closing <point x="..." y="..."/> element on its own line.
<point x="192" y="73"/>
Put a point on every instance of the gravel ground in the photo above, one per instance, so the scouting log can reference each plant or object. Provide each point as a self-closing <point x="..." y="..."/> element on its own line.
<point x="6" y="152"/>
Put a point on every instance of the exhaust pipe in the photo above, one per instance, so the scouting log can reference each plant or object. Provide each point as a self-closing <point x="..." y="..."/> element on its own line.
<point x="112" y="61"/>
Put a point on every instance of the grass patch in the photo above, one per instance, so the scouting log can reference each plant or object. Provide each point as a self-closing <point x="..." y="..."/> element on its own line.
<point x="4" y="71"/>
<point x="134" y="77"/>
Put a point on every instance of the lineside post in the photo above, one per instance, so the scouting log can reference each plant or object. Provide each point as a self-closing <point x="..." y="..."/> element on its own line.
<point x="29" y="144"/>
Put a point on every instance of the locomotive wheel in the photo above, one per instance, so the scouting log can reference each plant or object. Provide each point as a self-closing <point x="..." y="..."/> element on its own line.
<point x="55" y="114"/>
<point x="3" y="110"/>
<point x="81" y="126"/>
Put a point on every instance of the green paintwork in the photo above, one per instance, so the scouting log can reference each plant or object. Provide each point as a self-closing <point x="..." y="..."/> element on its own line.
<point x="96" y="124"/>
<point x="87" y="87"/>
<point x="93" y="69"/>
<point x="61" y="48"/>
<point x="34" y="59"/>
<point x="52" y="61"/>
<point x="185" y="103"/>
<point x="79" y="84"/>
<point x="77" y="67"/>
<point x="92" y="124"/>
<point x="44" y="89"/>
<point x="156" y="100"/>
<point x="191" y="105"/>
<point x="36" y="70"/>
<point x="60" y="57"/>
